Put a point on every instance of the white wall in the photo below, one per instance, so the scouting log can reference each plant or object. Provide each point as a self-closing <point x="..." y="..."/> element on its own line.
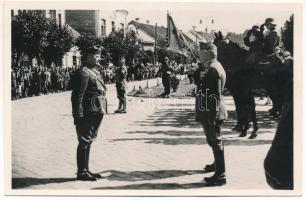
<point x="68" y="58"/>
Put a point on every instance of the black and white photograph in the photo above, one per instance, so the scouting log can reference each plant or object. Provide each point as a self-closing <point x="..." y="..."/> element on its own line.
<point x="152" y="98"/>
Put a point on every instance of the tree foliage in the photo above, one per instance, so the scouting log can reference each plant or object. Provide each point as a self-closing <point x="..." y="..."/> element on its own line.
<point x="287" y="35"/>
<point x="84" y="42"/>
<point x="29" y="31"/>
<point x="59" y="41"/>
<point x="38" y="37"/>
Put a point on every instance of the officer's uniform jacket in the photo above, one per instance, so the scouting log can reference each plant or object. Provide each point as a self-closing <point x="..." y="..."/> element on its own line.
<point x="271" y="42"/>
<point x="88" y="95"/>
<point x="209" y="100"/>
<point x="121" y="74"/>
<point x="166" y="74"/>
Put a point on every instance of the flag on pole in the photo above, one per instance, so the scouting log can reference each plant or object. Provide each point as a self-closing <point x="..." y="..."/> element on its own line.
<point x="175" y="39"/>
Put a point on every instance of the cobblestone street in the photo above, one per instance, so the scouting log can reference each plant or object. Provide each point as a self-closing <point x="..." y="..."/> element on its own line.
<point x="156" y="145"/>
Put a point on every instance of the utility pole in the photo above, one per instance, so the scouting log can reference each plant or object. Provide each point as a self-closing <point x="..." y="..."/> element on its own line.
<point x="155" y="45"/>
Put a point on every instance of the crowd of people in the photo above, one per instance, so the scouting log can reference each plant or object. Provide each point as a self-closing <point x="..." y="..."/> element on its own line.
<point x="28" y="81"/>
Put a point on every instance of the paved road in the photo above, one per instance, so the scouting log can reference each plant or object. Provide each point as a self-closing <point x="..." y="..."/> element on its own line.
<point x="156" y="145"/>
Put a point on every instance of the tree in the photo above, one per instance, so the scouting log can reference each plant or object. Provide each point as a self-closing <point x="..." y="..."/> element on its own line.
<point x="59" y="40"/>
<point x="127" y="46"/>
<point x="29" y="30"/>
<point x="38" y="37"/>
<point x="287" y="35"/>
<point x="84" y="42"/>
<point x="115" y="46"/>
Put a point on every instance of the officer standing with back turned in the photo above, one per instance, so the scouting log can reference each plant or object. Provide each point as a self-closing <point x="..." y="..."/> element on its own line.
<point x="88" y="108"/>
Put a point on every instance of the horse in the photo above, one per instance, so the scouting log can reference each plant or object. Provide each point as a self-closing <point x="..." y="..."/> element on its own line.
<point x="240" y="82"/>
<point x="244" y="78"/>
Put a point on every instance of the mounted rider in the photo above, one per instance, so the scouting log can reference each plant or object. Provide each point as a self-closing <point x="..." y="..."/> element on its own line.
<point x="264" y="44"/>
<point x="271" y="41"/>
<point x="254" y="41"/>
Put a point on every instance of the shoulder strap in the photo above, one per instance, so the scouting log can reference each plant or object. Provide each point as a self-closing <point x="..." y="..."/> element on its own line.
<point x="96" y="76"/>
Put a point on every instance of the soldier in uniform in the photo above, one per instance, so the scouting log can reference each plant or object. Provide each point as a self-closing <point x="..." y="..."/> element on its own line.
<point x="254" y="41"/>
<point x="271" y="62"/>
<point x="210" y="109"/>
<point x="166" y="77"/>
<point x="121" y="73"/>
<point x="88" y="108"/>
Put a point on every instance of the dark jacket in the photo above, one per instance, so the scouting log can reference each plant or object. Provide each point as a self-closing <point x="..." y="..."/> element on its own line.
<point x="278" y="163"/>
<point x="209" y="101"/>
<point x="121" y="73"/>
<point x="166" y="74"/>
<point x="88" y="93"/>
<point x="255" y="45"/>
<point x="271" y="42"/>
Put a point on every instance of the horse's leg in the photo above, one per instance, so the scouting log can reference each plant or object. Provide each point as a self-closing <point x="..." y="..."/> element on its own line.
<point x="237" y="127"/>
<point x="252" y="111"/>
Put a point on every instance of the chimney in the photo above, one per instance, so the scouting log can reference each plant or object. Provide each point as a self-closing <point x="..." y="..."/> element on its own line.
<point x="193" y="28"/>
<point x="148" y="22"/>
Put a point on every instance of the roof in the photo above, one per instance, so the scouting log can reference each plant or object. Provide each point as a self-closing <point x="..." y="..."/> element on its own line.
<point x="75" y="34"/>
<point x="150" y="29"/>
<point x="208" y="36"/>
<point x="187" y="38"/>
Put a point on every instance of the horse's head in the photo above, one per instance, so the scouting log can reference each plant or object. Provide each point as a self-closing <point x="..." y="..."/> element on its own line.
<point x="230" y="54"/>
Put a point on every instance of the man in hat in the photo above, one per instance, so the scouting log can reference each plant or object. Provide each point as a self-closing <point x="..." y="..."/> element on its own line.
<point x="210" y="109"/>
<point x="121" y="73"/>
<point x="254" y="41"/>
<point x="271" y="41"/>
<point x="271" y="62"/>
<point x="88" y="108"/>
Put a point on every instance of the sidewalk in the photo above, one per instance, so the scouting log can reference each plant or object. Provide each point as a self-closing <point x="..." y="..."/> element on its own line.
<point x="156" y="145"/>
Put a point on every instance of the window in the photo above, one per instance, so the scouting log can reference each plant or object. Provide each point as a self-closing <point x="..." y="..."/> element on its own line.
<point x="103" y="27"/>
<point x="74" y="60"/>
<point x="60" y="20"/>
<point x="52" y="14"/>
<point x="113" y="26"/>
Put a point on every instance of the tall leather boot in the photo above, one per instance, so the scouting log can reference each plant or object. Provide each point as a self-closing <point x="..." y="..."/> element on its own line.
<point x="218" y="178"/>
<point x="119" y="106"/>
<point x="82" y="173"/>
<point x="124" y="106"/>
<point x="96" y="175"/>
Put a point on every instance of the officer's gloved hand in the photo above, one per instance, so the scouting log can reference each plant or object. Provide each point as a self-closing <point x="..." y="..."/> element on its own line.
<point x="262" y="28"/>
<point x="249" y="33"/>
<point x="78" y="120"/>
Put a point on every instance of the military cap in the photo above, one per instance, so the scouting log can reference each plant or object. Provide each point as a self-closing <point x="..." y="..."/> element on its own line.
<point x="208" y="46"/>
<point x="270" y="20"/>
<point x="255" y="27"/>
<point x="94" y="50"/>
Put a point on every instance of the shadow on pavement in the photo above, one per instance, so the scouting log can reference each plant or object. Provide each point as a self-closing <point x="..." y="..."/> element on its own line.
<point x="27" y="182"/>
<point x="147" y="175"/>
<point x="154" y="186"/>
<point x="195" y="141"/>
<point x="180" y="118"/>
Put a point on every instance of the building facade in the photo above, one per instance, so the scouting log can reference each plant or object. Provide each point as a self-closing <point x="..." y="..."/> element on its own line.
<point x="99" y="23"/>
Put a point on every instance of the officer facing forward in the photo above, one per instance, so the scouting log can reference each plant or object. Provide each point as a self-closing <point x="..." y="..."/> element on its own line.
<point x="88" y="107"/>
<point x="210" y="109"/>
<point x="121" y="73"/>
